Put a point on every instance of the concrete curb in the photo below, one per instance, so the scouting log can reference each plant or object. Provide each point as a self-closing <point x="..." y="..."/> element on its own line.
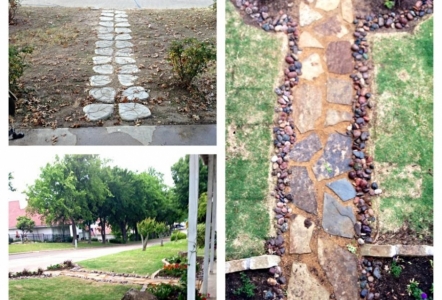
<point x="396" y="250"/>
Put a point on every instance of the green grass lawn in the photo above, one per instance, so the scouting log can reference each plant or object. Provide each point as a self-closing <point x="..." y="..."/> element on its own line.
<point x="253" y="60"/>
<point x="18" y="248"/>
<point x="403" y="132"/>
<point x="65" y="288"/>
<point x="137" y="261"/>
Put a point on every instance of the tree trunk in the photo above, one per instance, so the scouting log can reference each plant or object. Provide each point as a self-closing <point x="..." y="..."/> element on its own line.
<point x="145" y="242"/>
<point x="103" y="229"/>
<point x="136" y="232"/>
<point x="123" y="232"/>
<point x="89" y="228"/>
<point x="74" y="231"/>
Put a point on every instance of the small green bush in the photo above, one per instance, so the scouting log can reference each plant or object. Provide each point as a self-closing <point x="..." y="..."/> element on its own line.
<point x="115" y="241"/>
<point x="200" y="235"/>
<point x="69" y="239"/>
<point x="389" y="4"/>
<point x="178" y="235"/>
<point x="189" y="57"/>
<point x="395" y="269"/>
<point x="17" y="64"/>
<point x="165" y="291"/>
<point x="94" y="240"/>
<point x="247" y="288"/>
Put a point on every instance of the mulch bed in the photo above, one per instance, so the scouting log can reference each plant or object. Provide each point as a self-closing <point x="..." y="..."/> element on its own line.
<point x="258" y="278"/>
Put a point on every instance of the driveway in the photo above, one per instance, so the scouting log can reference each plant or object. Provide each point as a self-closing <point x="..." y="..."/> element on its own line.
<point x="121" y="4"/>
<point x="34" y="260"/>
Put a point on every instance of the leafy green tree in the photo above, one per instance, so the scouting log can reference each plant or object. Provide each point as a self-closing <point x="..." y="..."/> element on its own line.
<point x="145" y="228"/>
<point x="202" y="208"/>
<point x="25" y="224"/>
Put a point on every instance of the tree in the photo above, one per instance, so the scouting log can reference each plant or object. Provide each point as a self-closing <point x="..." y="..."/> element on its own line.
<point x="25" y="224"/>
<point x="202" y="208"/>
<point x="145" y="228"/>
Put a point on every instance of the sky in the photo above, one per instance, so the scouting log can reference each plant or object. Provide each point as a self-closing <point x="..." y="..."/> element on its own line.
<point x="26" y="169"/>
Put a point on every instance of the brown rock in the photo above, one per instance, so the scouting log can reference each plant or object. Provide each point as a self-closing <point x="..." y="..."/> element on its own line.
<point x="339" y="58"/>
<point x="133" y="294"/>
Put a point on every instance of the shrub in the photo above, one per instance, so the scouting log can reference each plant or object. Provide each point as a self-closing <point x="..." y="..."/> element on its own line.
<point x="200" y="235"/>
<point x="94" y="240"/>
<point x="189" y="57"/>
<point x="395" y="269"/>
<point x="55" y="267"/>
<point x="213" y="6"/>
<point x="115" y="241"/>
<point x="17" y="64"/>
<point x="178" y="235"/>
<point x="389" y="4"/>
<point x="68" y="264"/>
<point x="247" y="288"/>
<point x="165" y="291"/>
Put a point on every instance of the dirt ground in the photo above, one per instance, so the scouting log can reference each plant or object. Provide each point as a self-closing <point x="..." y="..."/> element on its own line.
<point x="234" y="284"/>
<point x="54" y="87"/>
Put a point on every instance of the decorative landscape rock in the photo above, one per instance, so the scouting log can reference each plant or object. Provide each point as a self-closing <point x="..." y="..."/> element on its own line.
<point x="343" y="188"/>
<point x="133" y="111"/>
<point x="337" y="219"/>
<point x="339" y="91"/>
<point x="303" y="190"/>
<point x="339" y="57"/>
<point x="307" y="103"/>
<point x="107" y="24"/>
<point x="119" y="19"/>
<point x="106" y="94"/>
<point x="105" y="29"/>
<point x="124" y="60"/>
<point x="124" y="52"/>
<point x="300" y="235"/>
<point x="101" y="59"/>
<point x="304" y="150"/>
<point x="104" y="51"/>
<point x="104" y="69"/>
<point x="122" y="24"/>
<point x="104" y="44"/>
<point x="124" y="36"/>
<point x="252" y="263"/>
<point x="133" y="294"/>
<point x="303" y="285"/>
<point x="347" y="10"/>
<point x="106" y="36"/>
<point x="312" y="67"/>
<point x="106" y="18"/>
<point x="306" y="40"/>
<point x="307" y="15"/>
<point x="135" y="92"/>
<point x="96" y="112"/>
<point x="334" y="117"/>
<point x="327" y="5"/>
<point x="122" y="30"/>
<point x="127" y="80"/>
<point x="100" y="80"/>
<point x="331" y="27"/>
<point x="123" y="44"/>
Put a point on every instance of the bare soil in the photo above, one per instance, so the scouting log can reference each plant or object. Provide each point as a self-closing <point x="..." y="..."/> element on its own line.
<point x="54" y="87"/>
<point x="234" y="284"/>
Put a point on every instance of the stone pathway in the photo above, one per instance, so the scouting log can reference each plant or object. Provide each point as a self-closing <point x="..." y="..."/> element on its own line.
<point x="114" y="63"/>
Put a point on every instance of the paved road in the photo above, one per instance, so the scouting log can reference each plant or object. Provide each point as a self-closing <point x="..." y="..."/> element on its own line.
<point x="33" y="261"/>
<point x="121" y="4"/>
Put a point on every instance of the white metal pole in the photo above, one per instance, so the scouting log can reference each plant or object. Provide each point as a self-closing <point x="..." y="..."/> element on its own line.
<point x="192" y="219"/>
<point x="213" y="225"/>
<point x="208" y="222"/>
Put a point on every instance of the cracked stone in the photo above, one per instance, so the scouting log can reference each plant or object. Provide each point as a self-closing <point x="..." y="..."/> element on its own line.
<point x="124" y="52"/>
<point x="307" y="40"/>
<point x="300" y="236"/>
<point x="105" y="29"/>
<point x="331" y="27"/>
<point x="303" y="285"/>
<point x="338" y="219"/>
<point x="307" y="104"/>
<point x="304" y="150"/>
<point x="339" y="91"/>
<point x="104" y="51"/>
<point x="335" y="116"/>
<point x="307" y="15"/>
<point x="107" y="24"/>
<point x="100" y="80"/>
<point x="128" y="69"/>
<point x="101" y="59"/>
<point x="303" y="190"/>
<point x="341" y="268"/>
<point x="136" y="92"/>
<point x="106" y="36"/>
<point x="106" y="94"/>
<point x="327" y="5"/>
<point x="122" y="24"/>
<point x="312" y="67"/>
<point x="339" y="57"/>
<point x="336" y="157"/>
<point x="104" y="69"/>
<point x="127" y="80"/>
<point x="106" y="18"/>
<point x="347" y="10"/>
<point x="133" y="111"/>
<point x="343" y="188"/>
<point x="123" y="44"/>
<point x="123" y="36"/>
<point x="122" y="30"/>
<point x="104" y="44"/>
<point x="97" y="112"/>
<point x="124" y="60"/>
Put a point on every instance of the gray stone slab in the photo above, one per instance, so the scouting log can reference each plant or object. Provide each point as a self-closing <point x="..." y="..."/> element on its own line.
<point x="122" y="30"/>
<point x="133" y="111"/>
<point x="336" y="157"/>
<point x="122" y="24"/>
<point x="303" y="285"/>
<point x="339" y="57"/>
<point x="120" y="19"/>
<point x="334" y="117"/>
<point x="123" y="37"/>
<point x="105" y="29"/>
<point x="98" y="60"/>
<point x="107" y="24"/>
<point x="124" y="60"/>
<point x="343" y="188"/>
<point x="125" y="52"/>
<point x="307" y="104"/>
<point x="338" y="219"/>
<point x="307" y="15"/>
<point x="103" y="69"/>
<point x="106" y="18"/>
<point x="123" y="44"/>
<point x="104" y="51"/>
<point x="300" y="235"/>
<point x="339" y="91"/>
<point x="136" y="92"/>
<point x="120" y="12"/>
<point x="100" y="80"/>
<point x="121" y="15"/>
<point x="303" y="190"/>
<point x="104" y="44"/>
<point x="378" y="250"/>
<point x="304" y="150"/>
<point x="252" y="263"/>
<point x="312" y="67"/>
<point x="106" y="36"/>
<point x="128" y="69"/>
<point x="97" y="112"/>
<point x="341" y="269"/>
<point x="106" y="94"/>
<point x="127" y="80"/>
<point x="107" y="14"/>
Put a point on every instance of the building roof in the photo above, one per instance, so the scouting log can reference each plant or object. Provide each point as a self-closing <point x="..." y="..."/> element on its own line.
<point x="15" y="211"/>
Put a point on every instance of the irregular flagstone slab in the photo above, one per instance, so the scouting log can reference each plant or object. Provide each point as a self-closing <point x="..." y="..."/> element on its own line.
<point x="343" y="188"/>
<point x="393" y="250"/>
<point x="127" y="80"/>
<point x="124" y="36"/>
<point x="97" y="112"/>
<point x="120" y="12"/>
<point x="100" y="80"/>
<point x="339" y="58"/>
<point x="304" y="150"/>
<point x="123" y="44"/>
<point x="124" y="60"/>
<point x="133" y="111"/>
<point x="303" y="190"/>
<point x="107" y="14"/>
<point x="101" y="59"/>
<point x="331" y="27"/>
<point x="307" y="104"/>
<point x="128" y="69"/>
<point x="122" y="30"/>
<point x="336" y="157"/>
<point x="121" y="15"/>
<point x="252" y="263"/>
<point x="107" y="24"/>
<point x="335" y="116"/>
<point x="327" y="5"/>
<point x="307" y="15"/>
<point x="300" y="235"/>
<point x="104" y="51"/>
<point x="306" y="40"/>
<point x="119" y="19"/>
<point x="104" y="69"/>
<point x="106" y="18"/>
<point x="104" y="44"/>
<point x="106" y="36"/>
<point x="338" y="219"/>
<point x="122" y="24"/>
<point x="105" y="29"/>
<point x="136" y="92"/>
<point x="341" y="268"/>
<point x="312" y="67"/>
<point x="303" y="285"/>
<point x="347" y="10"/>
<point x="339" y="91"/>
<point x="124" y="52"/>
<point x="106" y="94"/>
